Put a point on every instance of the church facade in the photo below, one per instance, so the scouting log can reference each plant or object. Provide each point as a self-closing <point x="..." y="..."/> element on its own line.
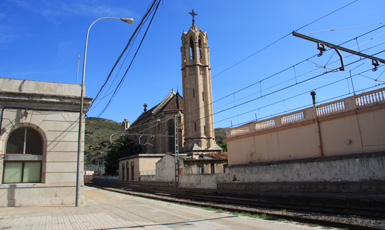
<point x="154" y="129"/>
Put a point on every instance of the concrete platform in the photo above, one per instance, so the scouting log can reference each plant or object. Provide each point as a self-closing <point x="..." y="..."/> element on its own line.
<point x="109" y="210"/>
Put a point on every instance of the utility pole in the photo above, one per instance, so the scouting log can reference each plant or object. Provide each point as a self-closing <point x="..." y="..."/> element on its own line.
<point x="317" y="125"/>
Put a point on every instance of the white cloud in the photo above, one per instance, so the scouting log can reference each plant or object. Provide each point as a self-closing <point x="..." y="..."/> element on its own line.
<point x="83" y="9"/>
<point x="5" y="36"/>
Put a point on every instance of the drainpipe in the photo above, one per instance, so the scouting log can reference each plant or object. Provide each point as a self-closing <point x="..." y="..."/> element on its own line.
<point x="317" y="125"/>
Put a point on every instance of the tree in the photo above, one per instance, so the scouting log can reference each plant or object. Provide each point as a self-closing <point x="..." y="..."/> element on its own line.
<point x="121" y="147"/>
<point x="223" y="145"/>
<point x="220" y="135"/>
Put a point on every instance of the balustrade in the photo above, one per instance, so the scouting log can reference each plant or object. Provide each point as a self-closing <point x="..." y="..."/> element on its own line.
<point x="364" y="99"/>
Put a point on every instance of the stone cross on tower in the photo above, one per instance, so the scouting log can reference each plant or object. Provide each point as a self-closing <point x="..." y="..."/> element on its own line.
<point x="193" y="14"/>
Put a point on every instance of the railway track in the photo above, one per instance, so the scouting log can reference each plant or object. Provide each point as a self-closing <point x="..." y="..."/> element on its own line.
<point x="348" y="212"/>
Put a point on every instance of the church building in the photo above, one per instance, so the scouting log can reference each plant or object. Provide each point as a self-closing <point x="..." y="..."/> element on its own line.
<point x="189" y="118"/>
<point x="194" y="110"/>
<point x="154" y="129"/>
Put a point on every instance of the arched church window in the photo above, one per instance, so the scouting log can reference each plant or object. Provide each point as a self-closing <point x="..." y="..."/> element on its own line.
<point x="171" y="138"/>
<point x="193" y="92"/>
<point x="23" y="157"/>
<point x="200" y="48"/>
<point x="191" y="49"/>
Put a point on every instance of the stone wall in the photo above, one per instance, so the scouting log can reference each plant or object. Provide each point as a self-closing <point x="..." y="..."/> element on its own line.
<point x="363" y="173"/>
<point x="201" y="181"/>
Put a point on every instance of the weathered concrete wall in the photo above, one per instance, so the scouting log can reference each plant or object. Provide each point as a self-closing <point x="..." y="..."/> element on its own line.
<point x="34" y="195"/>
<point x="149" y="178"/>
<point x="208" y="181"/>
<point x="349" y="126"/>
<point x="354" y="168"/>
<point x="165" y="169"/>
<point x="38" y="87"/>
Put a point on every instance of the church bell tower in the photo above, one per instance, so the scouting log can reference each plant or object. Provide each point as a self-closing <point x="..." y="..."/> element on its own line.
<point x="198" y="110"/>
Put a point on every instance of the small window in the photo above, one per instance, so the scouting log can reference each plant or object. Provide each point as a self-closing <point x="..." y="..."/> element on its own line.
<point x="25" y="168"/>
<point x="212" y="168"/>
<point x="203" y="96"/>
<point x="171" y="138"/>
<point x="195" y="126"/>
<point x="193" y="92"/>
<point x="201" y="169"/>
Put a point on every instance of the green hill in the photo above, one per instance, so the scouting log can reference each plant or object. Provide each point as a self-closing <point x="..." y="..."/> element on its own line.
<point x="97" y="136"/>
<point x="220" y="135"/>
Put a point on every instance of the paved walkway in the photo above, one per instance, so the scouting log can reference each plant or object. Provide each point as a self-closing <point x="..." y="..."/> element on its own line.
<point x="109" y="210"/>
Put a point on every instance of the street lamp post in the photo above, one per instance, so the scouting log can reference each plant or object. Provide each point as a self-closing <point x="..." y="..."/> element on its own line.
<point x="81" y="113"/>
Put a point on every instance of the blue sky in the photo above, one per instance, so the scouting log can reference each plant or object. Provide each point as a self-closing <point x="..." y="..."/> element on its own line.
<point x="250" y="43"/>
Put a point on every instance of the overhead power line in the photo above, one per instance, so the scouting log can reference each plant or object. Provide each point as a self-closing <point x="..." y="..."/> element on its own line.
<point x="280" y="39"/>
<point x="128" y="68"/>
<point x="129" y="43"/>
<point x="346" y="28"/>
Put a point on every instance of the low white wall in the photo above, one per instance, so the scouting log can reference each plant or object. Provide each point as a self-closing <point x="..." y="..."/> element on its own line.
<point x="33" y="195"/>
<point x="208" y="181"/>
<point x="165" y="169"/>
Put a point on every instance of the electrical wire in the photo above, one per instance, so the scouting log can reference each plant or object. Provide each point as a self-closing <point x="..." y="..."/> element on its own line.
<point x="302" y="107"/>
<point x="281" y="83"/>
<point x="280" y="39"/>
<point x="297" y="64"/>
<point x="138" y="28"/>
<point x="276" y="91"/>
<point x="288" y="98"/>
<point x="262" y="107"/>
<point x="346" y="28"/>
<point x="132" y="60"/>
<point x="277" y="73"/>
